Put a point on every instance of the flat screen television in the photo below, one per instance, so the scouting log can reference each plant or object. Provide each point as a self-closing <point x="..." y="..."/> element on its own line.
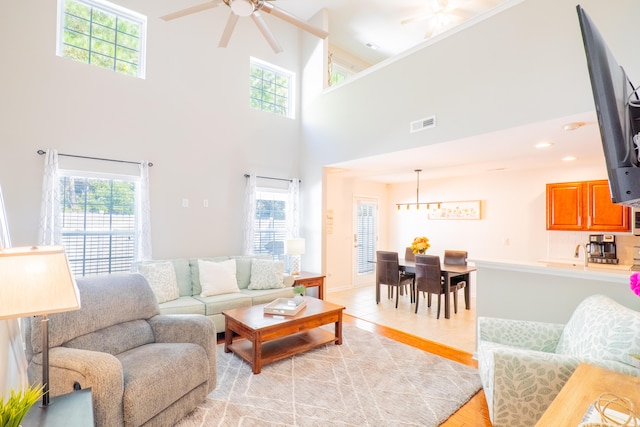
<point x="618" y="110"/>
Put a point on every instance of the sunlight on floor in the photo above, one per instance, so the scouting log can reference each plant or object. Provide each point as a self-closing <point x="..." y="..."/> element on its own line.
<point x="458" y="332"/>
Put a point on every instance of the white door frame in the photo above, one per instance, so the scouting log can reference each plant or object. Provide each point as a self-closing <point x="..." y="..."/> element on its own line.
<point x="367" y="278"/>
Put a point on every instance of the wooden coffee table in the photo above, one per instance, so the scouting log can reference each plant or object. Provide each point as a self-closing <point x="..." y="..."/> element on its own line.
<point x="266" y="338"/>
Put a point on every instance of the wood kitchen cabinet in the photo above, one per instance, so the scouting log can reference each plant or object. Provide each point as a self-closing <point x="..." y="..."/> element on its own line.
<point x="584" y="206"/>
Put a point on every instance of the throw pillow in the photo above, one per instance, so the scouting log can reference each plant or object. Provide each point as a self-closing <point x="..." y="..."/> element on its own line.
<point x="162" y="279"/>
<point x="266" y="274"/>
<point x="218" y="278"/>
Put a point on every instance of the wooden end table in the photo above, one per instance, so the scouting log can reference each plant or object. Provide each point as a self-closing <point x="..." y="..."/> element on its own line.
<point x="266" y="338"/>
<point x="584" y="386"/>
<point x="311" y="280"/>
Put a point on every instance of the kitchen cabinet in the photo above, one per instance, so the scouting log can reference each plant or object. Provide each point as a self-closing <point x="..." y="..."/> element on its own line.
<point x="584" y="206"/>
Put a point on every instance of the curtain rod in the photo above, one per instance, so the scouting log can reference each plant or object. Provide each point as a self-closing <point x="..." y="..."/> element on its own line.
<point x="246" y="175"/>
<point x="41" y="152"/>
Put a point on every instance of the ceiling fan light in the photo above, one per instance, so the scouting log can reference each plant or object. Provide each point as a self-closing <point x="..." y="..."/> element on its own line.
<point x="242" y="7"/>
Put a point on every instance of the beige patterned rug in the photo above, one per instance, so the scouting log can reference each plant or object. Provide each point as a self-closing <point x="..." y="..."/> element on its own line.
<point x="369" y="380"/>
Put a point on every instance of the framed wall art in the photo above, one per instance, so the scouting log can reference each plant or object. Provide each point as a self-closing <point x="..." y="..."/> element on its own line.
<point x="465" y="209"/>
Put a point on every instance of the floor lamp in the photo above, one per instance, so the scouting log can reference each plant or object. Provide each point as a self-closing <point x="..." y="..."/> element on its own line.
<point x="37" y="281"/>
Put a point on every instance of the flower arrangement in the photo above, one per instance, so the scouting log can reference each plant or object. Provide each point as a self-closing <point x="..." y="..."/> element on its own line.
<point x="634" y="282"/>
<point x="299" y="289"/>
<point x="420" y="245"/>
<point x="15" y="407"/>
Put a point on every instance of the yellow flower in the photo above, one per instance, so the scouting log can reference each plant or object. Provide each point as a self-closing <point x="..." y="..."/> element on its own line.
<point x="420" y="245"/>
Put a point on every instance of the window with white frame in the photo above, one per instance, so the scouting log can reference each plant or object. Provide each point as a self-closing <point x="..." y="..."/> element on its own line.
<point x="104" y="34"/>
<point x="271" y="88"/>
<point x="270" y="222"/>
<point x="98" y="222"/>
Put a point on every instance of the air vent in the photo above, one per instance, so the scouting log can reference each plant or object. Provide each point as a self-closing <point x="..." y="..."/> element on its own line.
<point x="422" y="124"/>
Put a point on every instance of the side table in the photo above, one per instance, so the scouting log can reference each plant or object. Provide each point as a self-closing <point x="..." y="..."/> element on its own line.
<point x="584" y="386"/>
<point x="68" y="410"/>
<point x="311" y="280"/>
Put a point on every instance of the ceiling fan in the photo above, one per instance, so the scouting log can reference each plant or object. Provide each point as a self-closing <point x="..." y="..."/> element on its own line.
<point x="250" y="8"/>
<point x="443" y="14"/>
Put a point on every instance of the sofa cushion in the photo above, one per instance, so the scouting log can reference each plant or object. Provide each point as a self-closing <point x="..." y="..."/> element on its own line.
<point x="602" y="329"/>
<point x="243" y="268"/>
<point x="264" y="296"/>
<point x="218" y="303"/>
<point x="115" y="339"/>
<point x="217" y="278"/>
<point x="176" y="370"/>
<point x="195" y="272"/>
<point x="161" y="276"/>
<point x="183" y="305"/>
<point x="266" y="274"/>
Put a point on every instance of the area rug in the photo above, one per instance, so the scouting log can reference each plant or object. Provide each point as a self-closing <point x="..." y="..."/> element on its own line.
<point x="369" y="380"/>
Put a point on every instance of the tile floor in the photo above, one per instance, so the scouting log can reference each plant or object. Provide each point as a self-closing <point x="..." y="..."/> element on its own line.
<point x="459" y="331"/>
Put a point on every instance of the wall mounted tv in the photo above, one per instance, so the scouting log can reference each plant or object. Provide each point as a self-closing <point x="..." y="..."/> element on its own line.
<point x="618" y="110"/>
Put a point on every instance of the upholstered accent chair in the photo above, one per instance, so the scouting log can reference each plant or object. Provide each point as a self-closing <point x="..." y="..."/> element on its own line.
<point x="524" y="364"/>
<point x="143" y="368"/>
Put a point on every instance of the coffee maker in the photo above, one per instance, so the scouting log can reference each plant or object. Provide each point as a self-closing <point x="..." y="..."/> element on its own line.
<point x="602" y="249"/>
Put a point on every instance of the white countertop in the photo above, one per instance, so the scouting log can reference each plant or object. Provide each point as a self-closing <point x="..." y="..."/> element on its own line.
<point x="561" y="267"/>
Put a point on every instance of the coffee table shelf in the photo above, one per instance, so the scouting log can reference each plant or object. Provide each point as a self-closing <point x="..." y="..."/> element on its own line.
<point x="260" y="338"/>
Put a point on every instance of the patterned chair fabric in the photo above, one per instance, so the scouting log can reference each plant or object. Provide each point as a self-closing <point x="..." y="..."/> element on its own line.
<point x="524" y="364"/>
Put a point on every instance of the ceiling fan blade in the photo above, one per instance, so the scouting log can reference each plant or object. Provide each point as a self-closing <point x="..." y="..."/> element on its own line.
<point x="286" y="16"/>
<point x="191" y="10"/>
<point x="415" y="19"/>
<point x="228" y="30"/>
<point x="262" y="26"/>
<point x="462" y="14"/>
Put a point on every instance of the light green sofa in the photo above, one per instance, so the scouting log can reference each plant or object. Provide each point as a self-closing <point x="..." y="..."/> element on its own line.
<point x="523" y="365"/>
<point x="190" y="301"/>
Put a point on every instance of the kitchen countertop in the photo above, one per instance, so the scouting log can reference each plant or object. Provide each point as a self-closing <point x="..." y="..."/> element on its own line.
<point x="573" y="262"/>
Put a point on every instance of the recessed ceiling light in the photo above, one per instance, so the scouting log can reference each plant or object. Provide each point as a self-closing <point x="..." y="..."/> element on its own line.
<point x="568" y="159"/>
<point x="371" y="46"/>
<point x="544" y="144"/>
<point x="573" y="126"/>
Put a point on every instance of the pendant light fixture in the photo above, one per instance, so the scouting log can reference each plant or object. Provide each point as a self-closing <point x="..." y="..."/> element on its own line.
<point x="417" y="203"/>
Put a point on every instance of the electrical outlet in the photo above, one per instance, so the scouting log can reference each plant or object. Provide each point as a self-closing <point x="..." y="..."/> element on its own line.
<point x="185" y="203"/>
<point x="205" y="203"/>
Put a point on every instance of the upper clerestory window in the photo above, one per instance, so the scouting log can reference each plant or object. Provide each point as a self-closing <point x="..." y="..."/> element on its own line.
<point x="104" y="34"/>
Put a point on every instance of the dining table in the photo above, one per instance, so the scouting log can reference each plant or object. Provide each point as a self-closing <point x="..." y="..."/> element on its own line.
<point x="448" y="271"/>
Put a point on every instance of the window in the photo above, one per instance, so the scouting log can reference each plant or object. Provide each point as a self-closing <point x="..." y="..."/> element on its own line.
<point x="271" y="88"/>
<point x="339" y="73"/>
<point x="103" y="34"/>
<point x="98" y="223"/>
<point x="270" y="223"/>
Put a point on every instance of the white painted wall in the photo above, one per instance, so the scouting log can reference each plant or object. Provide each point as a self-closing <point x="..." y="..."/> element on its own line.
<point x="190" y="117"/>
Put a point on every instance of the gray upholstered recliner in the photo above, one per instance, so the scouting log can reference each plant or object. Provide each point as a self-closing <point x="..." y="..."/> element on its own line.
<point x="143" y="368"/>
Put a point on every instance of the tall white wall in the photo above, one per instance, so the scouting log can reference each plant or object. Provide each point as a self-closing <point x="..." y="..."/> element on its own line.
<point x="190" y="117"/>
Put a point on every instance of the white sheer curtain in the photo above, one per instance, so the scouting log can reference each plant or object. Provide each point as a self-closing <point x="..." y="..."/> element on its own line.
<point x="13" y="363"/>
<point x="250" y="214"/>
<point x="143" y="215"/>
<point x="293" y="209"/>
<point x="50" y="231"/>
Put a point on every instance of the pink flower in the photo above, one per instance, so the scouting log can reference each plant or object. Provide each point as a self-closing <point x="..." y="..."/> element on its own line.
<point x="634" y="282"/>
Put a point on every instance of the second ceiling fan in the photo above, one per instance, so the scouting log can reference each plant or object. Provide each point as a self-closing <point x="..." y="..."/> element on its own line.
<point x="251" y="8"/>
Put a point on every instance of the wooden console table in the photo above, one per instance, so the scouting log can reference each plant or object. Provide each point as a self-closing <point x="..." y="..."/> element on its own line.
<point x="74" y="409"/>
<point x="311" y="280"/>
<point x="583" y="388"/>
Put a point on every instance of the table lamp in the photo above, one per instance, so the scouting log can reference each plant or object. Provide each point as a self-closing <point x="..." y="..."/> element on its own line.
<point x="294" y="248"/>
<point x="37" y="281"/>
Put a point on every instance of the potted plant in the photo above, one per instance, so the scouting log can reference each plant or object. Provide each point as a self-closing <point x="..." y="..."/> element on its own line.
<point x="14" y="408"/>
<point x="298" y="292"/>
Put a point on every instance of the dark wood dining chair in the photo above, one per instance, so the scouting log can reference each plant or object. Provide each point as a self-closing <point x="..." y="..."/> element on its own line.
<point x="409" y="255"/>
<point x="457" y="258"/>
<point x="388" y="273"/>
<point x="429" y="279"/>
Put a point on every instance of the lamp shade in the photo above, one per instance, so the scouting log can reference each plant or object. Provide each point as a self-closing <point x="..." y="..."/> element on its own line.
<point x="294" y="246"/>
<point x="36" y="280"/>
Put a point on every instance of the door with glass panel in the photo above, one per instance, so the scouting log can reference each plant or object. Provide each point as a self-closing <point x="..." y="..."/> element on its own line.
<point x="365" y="239"/>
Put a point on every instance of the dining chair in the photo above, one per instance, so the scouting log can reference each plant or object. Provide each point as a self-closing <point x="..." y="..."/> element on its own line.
<point x="429" y="280"/>
<point x="388" y="273"/>
<point x="409" y="255"/>
<point x="457" y="258"/>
